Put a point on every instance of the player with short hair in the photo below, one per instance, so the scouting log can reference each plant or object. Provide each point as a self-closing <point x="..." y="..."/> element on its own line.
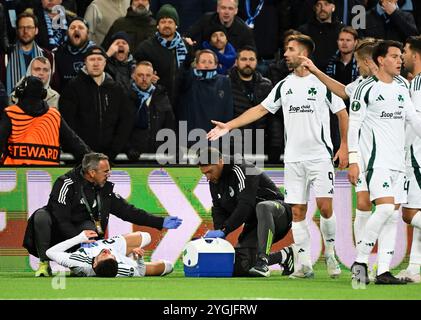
<point x="411" y="210"/>
<point x="305" y="102"/>
<point x="109" y="257"/>
<point x="379" y="110"/>
<point x="367" y="68"/>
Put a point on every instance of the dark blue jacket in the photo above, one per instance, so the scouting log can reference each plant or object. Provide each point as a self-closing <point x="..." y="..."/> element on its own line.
<point x="204" y="100"/>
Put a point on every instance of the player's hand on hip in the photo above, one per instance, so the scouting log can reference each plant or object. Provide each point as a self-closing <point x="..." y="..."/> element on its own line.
<point x="353" y="173"/>
<point x="219" y="130"/>
<point x="172" y="222"/>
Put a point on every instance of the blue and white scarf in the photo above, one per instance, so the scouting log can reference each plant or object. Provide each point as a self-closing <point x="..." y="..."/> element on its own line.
<point x="16" y="67"/>
<point x="205" y="74"/>
<point x="142" y="97"/>
<point x="251" y="17"/>
<point x="177" y="43"/>
<point x="56" y="36"/>
<point x="75" y="51"/>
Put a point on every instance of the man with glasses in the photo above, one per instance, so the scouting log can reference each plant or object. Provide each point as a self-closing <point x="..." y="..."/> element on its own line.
<point x="82" y="199"/>
<point x="21" y="54"/>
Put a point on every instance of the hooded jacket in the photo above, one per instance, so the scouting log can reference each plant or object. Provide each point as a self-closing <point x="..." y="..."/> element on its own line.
<point x="99" y="114"/>
<point x="29" y="114"/>
<point x="52" y="95"/>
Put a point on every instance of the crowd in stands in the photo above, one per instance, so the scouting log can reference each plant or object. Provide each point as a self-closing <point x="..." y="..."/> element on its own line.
<point x="119" y="71"/>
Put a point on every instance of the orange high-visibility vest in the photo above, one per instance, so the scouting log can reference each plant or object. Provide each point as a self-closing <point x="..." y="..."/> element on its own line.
<point x="34" y="140"/>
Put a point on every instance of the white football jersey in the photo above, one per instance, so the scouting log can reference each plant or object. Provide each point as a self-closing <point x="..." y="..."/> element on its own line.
<point x="377" y="119"/>
<point x="414" y="142"/>
<point x="305" y="103"/>
<point x="80" y="261"/>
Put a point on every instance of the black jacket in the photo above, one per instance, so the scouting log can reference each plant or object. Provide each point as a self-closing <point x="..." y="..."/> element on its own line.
<point x="324" y="36"/>
<point x="236" y="195"/>
<point x="401" y="26"/>
<point x="164" y="63"/>
<point x="160" y="116"/>
<point x="242" y="102"/>
<point x="139" y="27"/>
<point x="121" y="72"/>
<point x="100" y="115"/>
<point x="239" y="34"/>
<point x="68" y="209"/>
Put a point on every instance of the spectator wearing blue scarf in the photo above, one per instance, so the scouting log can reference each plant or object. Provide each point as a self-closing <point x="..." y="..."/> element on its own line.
<point x="152" y="109"/>
<point x="225" y="51"/>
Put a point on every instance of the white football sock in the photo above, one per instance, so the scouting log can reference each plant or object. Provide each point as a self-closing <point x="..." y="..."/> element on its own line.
<point x="301" y="234"/>
<point x="361" y="218"/>
<point x="169" y="267"/>
<point x="415" y="256"/>
<point x="386" y="243"/>
<point x="372" y="230"/>
<point x="328" y="229"/>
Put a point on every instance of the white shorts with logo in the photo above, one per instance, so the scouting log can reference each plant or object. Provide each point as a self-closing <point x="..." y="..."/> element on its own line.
<point x="414" y="190"/>
<point x="384" y="182"/>
<point x="299" y="176"/>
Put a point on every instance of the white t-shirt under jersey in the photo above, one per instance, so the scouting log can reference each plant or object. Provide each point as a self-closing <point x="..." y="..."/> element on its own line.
<point x="305" y="103"/>
<point x="377" y="119"/>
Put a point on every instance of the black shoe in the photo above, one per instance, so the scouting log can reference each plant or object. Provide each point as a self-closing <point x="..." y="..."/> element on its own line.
<point x="288" y="265"/>
<point x="260" y="269"/>
<point x="360" y="273"/>
<point x="388" y="278"/>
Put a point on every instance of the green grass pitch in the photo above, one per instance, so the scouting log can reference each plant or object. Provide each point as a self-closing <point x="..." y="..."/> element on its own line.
<point x="23" y="285"/>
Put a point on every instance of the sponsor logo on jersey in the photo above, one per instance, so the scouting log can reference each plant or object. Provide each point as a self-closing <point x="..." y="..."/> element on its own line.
<point x="305" y="108"/>
<point x="380" y="98"/>
<point x="391" y="115"/>
<point x="289" y="92"/>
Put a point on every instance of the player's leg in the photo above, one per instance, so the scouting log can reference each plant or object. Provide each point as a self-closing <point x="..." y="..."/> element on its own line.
<point x="322" y="177"/>
<point x="158" y="268"/>
<point x="296" y="194"/>
<point x="42" y="234"/>
<point x="382" y="193"/>
<point x="412" y="272"/>
<point x="387" y="236"/>
<point x="267" y="212"/>
<point x="364" y="208"/>
<point x="286" y="257"/>
<point x="411" y="214"/>
<point x="136" y="240"/>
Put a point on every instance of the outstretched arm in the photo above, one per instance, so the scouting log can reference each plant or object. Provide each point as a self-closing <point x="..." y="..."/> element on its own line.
<point x="335" y="86"/>
<point x="247" y="117"/>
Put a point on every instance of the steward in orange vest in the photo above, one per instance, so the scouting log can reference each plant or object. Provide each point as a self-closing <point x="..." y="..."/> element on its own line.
<point x="31" y="133"/>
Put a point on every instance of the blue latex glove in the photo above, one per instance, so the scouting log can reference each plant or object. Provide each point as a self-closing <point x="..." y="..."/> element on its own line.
<point x="215" y="234"/>
<point x="172" y="222"/>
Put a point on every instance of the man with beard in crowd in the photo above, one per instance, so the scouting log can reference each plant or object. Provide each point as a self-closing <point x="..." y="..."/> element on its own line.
<point x="70" y="55"/>
<point x="138" y="23"/>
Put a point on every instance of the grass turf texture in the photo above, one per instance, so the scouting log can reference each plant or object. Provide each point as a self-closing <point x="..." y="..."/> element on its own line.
<point x="24" y="285"/>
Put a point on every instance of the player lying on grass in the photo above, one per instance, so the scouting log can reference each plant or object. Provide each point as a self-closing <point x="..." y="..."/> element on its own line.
<point x="109" y="257"/>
